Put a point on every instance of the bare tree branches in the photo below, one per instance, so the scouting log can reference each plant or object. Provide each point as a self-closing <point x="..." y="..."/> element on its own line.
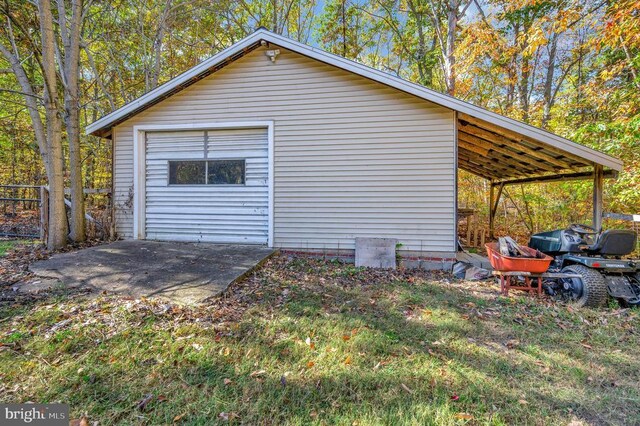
<point x="21" y="93"/>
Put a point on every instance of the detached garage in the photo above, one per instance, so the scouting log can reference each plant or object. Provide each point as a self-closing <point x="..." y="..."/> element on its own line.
<point x="277" y="143"/>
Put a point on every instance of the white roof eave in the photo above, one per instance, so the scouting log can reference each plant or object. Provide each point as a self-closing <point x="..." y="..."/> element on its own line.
<point x="367" y="72"/>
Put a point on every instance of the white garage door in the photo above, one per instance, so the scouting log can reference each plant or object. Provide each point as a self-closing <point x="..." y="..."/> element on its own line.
<point x="207" y="185"/>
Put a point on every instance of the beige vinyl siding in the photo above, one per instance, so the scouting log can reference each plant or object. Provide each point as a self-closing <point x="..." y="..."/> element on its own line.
<point x="352" y="157"/>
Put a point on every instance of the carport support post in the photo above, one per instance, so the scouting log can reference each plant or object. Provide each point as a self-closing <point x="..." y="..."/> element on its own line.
<point x="494" y="199"/>
<point x="598" y="181"/>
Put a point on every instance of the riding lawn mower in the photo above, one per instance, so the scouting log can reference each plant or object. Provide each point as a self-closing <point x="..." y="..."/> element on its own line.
<point x="595" y="263"/>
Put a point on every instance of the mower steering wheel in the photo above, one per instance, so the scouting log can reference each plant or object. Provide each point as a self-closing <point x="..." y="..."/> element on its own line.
<point x="583" y="229"/>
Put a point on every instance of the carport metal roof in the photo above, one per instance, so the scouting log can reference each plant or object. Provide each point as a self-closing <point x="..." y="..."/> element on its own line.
<point x="508" y="157"/>
<point x="503" y="155"/>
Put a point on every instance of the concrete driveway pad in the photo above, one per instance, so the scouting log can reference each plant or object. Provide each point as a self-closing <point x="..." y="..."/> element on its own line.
<point x="186" y="273"/>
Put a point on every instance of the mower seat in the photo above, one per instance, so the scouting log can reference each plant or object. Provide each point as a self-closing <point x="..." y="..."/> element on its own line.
<point x="614" y="242"/>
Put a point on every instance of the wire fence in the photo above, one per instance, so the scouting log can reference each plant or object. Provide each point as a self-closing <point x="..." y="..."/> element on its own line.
<point x="20" y="211"/>
<point x="22" y="215"/>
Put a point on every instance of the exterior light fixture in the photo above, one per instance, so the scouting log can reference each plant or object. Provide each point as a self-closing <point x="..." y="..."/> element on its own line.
<point x="273" y="54"/>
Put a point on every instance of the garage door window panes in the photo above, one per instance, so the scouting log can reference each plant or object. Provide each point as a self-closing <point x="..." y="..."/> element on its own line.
<point x="187" y="172"/>
<point x="225" y="172"/>
<point x="212" y="172"/>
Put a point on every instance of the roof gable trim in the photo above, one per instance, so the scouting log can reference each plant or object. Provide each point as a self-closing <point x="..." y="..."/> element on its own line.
<point x="364" y="71"/>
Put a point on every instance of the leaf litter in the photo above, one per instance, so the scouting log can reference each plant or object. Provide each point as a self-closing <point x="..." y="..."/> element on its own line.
<point x="270" y="289"/>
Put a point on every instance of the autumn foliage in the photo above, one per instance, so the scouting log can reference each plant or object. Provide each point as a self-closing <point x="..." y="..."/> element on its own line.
<point x="570" y="67"/>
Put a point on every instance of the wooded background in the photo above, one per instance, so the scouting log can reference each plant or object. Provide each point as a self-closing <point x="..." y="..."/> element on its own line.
<point x="568" y="66"/>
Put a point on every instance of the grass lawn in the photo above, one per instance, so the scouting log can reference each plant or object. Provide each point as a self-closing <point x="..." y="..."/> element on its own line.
<point x="313" y="342"/>
<point x="5" y="245"/>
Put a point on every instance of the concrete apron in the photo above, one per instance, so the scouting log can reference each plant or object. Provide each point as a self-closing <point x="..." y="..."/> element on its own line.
<point x="184" y="273"/>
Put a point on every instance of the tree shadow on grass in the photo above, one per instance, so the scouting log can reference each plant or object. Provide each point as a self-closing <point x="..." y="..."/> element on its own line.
<point x="498" y="358"/>
<point x="382" y="352"/>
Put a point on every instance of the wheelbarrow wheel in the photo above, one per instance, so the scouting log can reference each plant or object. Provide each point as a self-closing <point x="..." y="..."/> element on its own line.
<point x="591" y="290"/>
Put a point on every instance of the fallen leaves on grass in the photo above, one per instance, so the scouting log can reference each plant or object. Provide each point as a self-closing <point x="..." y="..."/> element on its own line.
<point x="14" y="266"/>
<point x="222" y="315"/>
<point x="406" y="388"/>
<point x="309" y="343"/>
<point x="82" y="421"/>
<point x="543" y="367"/>
<point x="224" y="416"/>
<point x="142" y="405"/>
<point x="512" y="343"/>
<point x="381" y="364"/>
<point x="179" y="417"/>
<point x="463" y="416"/>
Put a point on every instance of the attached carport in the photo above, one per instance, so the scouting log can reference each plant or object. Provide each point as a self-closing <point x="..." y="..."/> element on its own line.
<point x="506" y="152"/>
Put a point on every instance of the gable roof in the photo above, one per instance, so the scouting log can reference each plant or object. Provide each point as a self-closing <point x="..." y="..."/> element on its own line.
<point x="103" y="126"/>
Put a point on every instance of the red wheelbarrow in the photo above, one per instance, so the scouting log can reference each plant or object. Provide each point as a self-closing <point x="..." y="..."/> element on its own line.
<point x="508" y="268"/>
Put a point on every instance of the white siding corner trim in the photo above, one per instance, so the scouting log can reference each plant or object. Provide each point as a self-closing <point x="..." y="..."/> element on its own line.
<point x="139" y="165"/>
<point x="455" y="179"/>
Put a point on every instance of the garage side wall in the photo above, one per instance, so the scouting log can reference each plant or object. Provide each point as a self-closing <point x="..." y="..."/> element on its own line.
<point x="352" y="157"/>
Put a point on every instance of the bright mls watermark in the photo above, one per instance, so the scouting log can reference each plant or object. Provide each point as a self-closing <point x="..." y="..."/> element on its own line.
<point x="34" y="414"/>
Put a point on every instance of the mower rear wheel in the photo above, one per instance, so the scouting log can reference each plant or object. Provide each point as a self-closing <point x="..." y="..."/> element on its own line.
<point x="594" y="289"/>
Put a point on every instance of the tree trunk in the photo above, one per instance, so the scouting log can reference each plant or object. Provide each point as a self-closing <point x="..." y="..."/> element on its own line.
<point x="449" y="57"/>
<point x="453" y="10"/>
<point x="525" y="74"/>
<point x="344" y="28"/>
<point x="512" y="72"/>
<point x="425" y="69"/>
<point x="58" y="228"/>
<point x="524" y="90"/>
<point x="158" y="43"/>
<point x="548" y="84"/>
<point x="71" y="70"/>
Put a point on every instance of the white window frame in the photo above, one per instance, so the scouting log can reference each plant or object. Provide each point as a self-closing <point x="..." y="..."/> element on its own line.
<point x="139" y="161"/>
<point x="206" y="172"/>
